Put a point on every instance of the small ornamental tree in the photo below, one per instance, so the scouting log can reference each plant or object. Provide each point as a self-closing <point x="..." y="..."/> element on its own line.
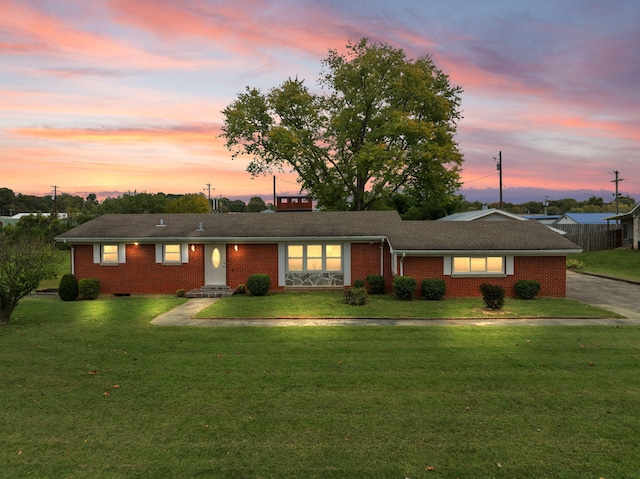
<point x="492" y="295"/>
<point x="24" y="263"/>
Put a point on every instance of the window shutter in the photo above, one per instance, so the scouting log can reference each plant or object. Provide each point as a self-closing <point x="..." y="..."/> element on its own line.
<point x="158" y="252"/>
<point x="346" y="262"/>
<point x="282" y="260"/>
<point x="122" y="253"/>
<point x="509" y="265"/>
<point x="184" y="250"/>
<point x="447" y="265"/>
<point x="96" y="253"/>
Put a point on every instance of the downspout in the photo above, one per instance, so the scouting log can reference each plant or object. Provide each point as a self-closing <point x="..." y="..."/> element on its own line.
<point x="73" y="260"/>
<point x="401" y="265"/>
<point x="382" y="257"/>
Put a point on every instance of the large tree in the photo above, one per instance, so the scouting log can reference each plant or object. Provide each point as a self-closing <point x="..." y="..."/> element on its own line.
<point x="24" y="263"/>
<point x="382" y="124"/>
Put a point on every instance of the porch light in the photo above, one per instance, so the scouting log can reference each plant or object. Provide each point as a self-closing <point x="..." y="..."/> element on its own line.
<point x="193" y="247"/>
<point x="235" y="247"/>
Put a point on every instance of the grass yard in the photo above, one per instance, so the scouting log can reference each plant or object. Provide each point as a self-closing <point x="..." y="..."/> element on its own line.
<point x="617" y="263"/>
<point x="331" y="305"/>
<point x="93" y="390"/>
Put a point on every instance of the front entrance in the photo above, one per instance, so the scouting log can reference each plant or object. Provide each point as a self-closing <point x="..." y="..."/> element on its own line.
<point x="215" y="264"/>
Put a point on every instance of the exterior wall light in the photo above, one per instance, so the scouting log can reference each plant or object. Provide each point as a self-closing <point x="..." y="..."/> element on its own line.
<point x="235" y="247"/>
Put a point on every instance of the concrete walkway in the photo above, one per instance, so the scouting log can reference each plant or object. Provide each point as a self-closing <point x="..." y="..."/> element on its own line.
<point x="612" y="295"/>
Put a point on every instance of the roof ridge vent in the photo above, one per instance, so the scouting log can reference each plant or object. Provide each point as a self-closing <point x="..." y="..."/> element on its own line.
<point x="161" y="222"/>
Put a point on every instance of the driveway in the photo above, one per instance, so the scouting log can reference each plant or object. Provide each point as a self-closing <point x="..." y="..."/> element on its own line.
<point x="613" y="295"/>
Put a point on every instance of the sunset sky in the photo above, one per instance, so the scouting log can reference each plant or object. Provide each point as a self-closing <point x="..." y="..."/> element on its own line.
<point x="114" y="96"/>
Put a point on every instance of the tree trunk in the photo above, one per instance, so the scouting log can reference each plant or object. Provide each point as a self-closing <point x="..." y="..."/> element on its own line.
<point x="5" y="314"/>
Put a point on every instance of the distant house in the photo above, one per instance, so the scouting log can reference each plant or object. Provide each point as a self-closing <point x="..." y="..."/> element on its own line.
<point x="582" y="219"/>
<point x="142" y="254"/>
<point x="490" y="214"/>
<point x="630" y="223"/>
<point x="544" y="219"/>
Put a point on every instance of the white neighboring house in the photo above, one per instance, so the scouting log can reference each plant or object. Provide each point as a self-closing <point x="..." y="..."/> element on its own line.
<point x="630" y="227"/>
<point x="490" y="214"/>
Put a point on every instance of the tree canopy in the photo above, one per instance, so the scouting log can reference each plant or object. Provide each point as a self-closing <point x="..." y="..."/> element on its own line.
<point x="24" y="262"/>
<point x="381" y="125"/>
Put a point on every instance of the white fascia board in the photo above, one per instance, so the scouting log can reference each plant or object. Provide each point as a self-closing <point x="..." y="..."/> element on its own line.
<point x="467" y="252"/>
<point x="232" y="239"/>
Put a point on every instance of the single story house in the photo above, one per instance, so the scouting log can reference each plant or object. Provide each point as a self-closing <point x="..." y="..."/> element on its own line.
<point x="630" y="227"/>
<point x="161" y="253"/>
<point x="582" y="219"/>
<point x="491" y="214"/>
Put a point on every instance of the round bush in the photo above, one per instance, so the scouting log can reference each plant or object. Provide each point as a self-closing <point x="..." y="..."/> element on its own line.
<point x="68" y="288"/>
<point x="376" y="283"/>
<point x="89" y="288"/>
<point x="356" y="296"/>
<point x="527" y="288"/>
<point x="258" y="284"/>
<point x="404" y="287"/>
<point x="433" y="289"/>
<point x="358" y="283"/>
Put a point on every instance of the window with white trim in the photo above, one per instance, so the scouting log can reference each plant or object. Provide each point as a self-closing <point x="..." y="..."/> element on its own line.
<point x="302" y="258"/>
<point x="172" y="253"/>
<point x="109" y="254"/>
<point x="478" y="265"/>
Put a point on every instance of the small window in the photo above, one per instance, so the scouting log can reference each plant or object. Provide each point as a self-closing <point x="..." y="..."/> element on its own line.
<point x="314" y="257"/>
<point x="172" y="253"/>
<point x="478" y="265"/>
<point x="109" y="253"/>
<point x="334" y="257"/>
<point x="295" y="256"/>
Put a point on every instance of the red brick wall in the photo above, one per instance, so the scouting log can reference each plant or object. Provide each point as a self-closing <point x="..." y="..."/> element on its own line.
<point x="141" y="274"/>
<point x="252" y="259"/>
<point x="549" y="271"/>
<point x="365" y="260"/>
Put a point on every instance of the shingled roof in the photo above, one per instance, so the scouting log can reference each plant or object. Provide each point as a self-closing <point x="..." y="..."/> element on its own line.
<point x="478" y="235"/>
<point x="404" y="236"/>
<point x="255" y="226"/>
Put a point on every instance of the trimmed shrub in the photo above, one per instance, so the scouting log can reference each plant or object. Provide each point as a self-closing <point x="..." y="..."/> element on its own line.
<point x="527" y="288"/>
<point x="68" y="288"/>
<point x="358" y="283"/>
<point x="376" y="283"/>
<point x="258" y="284"/>
<point x="356" y="296"/>
<point x="181" y="292"/>
<point x="492" y="295"/>
<point x="240" y="289"/>
<point x="89" y="288"/>
<point x="433" y="289"/>
<point x="404" y="287"/>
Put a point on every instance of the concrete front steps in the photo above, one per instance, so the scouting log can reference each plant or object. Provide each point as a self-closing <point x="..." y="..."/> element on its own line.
<point x="210" y="291"/>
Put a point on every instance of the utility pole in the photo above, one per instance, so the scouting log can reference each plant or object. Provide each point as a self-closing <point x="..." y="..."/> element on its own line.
<point x="617" y="181"/>
<point x="208" y="188"/>
<point x="545" y="204"/>
<point x="499" y="168"/>
<point x="55" y="200"/>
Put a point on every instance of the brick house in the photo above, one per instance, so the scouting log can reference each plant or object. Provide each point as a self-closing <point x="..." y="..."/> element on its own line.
<point x="161" y="253"/>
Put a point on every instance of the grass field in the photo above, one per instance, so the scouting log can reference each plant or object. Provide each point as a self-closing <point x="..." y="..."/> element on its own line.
<point x="331" y="305"/>
<point x="617" y="263"/>
<point x="93" y="390"/>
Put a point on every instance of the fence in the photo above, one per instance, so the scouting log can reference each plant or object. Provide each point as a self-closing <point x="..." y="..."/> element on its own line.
<point x="593" y="237"/>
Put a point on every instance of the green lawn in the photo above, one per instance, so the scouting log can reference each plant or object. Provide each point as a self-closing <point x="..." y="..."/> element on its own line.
<point x="618" y="263"/>
<point x="331" y="305"/>
<point x="93" y="390"/>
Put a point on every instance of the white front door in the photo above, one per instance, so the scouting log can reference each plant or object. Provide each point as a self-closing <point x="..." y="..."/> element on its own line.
<point x="215" y="264"/>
